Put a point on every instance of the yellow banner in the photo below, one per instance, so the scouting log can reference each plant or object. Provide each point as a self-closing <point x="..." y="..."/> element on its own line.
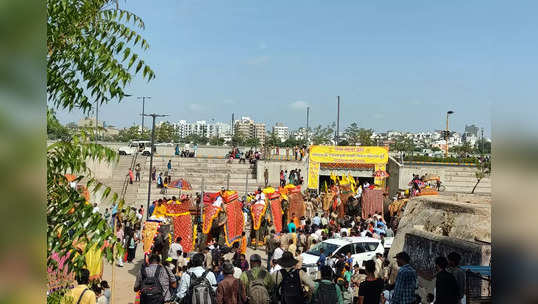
<point x="313" y="175"/>
<point x="343" y="154"/>
<point x="349" y="154"/>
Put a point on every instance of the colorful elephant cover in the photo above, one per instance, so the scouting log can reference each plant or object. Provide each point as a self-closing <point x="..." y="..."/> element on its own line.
<point x="296" y="202"/>
<point x="210" y="212"/>
<point x="257" y="210"/>
<point x="276" y="210"/>
<point x="234" y="218"/>
<point x="182" y="221"/>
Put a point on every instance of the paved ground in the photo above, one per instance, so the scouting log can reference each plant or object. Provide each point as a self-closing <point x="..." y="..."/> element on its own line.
<point x="124" y="277"/>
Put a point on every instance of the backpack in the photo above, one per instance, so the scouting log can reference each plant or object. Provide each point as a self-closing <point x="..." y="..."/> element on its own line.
<point x="257" y="293"/>
<point x="291" y="290"/>
<point x="151" y="291"/>
<point x="200" y="290"/>
<point x="326" y="294"/>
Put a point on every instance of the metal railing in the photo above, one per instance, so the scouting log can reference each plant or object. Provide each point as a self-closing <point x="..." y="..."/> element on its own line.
<point x="126" y="179"/>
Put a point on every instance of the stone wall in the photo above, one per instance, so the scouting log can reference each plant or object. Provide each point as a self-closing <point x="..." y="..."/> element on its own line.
<point x="431" y="226"/>
<point x="424" y="247"/>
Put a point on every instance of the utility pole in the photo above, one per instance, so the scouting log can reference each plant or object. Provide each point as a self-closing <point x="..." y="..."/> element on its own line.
<point x="447" y="133"/>
<point x="307" y="117"/>
<point x="143" y="105"/>
<point x="151" y="155"/>
<point x="232" y="124"/>
<point x="338" y="122"/>
<point x="482" y="141"/>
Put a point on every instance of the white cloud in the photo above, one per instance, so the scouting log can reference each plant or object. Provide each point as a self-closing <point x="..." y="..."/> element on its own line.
<point x="258" y="60"/>
<point x="299" y="105"/>
<point x="196" y="107"/>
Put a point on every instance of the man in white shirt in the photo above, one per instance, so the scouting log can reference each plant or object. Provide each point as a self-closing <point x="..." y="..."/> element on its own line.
<point x="278" y="251"/>
<point x="95" y="208"/>
<point x="174" y="248"/>
<point x="197" y="269"/>
<point x="218" y="202"/>
<point x="260" y="197"/>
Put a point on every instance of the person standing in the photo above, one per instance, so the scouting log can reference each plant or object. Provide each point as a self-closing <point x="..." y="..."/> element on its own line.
<point x="257" y="282"/>
<point x="199" y="274"/>
<point x="325" y="291"/>
<point x="270" y="248"/>
<point x="266" y="176"/>
<point x="406" y="280"/>
<point x="156" y="274"/>
<point x="282" y="179"/>
<point x="379" y="265"/>
<point x="131" y="176"/>
<point x="290" y="281"/>
<point x="230" y="290"/>
<point x="169" y="166"/>
<point x="153" y="174"/>
<point x="459" y="274"/>
<point x="446" y="287"/>
<point x="82" y="294"/>
<point x="175" y="250"/>
<point x="371" y="288"/>
<point x="137" y="170"/>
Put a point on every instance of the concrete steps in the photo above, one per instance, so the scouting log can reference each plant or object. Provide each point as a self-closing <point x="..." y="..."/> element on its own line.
<point x="214" y="172"/>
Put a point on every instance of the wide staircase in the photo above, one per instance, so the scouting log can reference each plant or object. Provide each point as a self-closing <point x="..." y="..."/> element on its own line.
<point x="463" y="180"/>
<point x="213" y="173"/>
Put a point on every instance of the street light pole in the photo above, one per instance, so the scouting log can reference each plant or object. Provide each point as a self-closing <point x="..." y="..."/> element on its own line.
<point x="338" y="122"/>
<point x="151" y="156"/>
<point x="447" y="132"/>
<point x="307" y="118"/>
<point x="143" y="106"/>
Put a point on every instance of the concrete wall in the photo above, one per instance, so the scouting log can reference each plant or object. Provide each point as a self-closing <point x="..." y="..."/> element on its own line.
<point x="274" y="167"/>
<point x="455" y="178"/>
<point x="424" y="247"/>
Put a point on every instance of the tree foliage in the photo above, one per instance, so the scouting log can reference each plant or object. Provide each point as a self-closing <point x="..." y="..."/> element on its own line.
<point x="91" y="52"/>
<point x="91" y="58"/>
<point x="358" y="136"/>
<point x="322" y="135"/>
<point x="55" y="130"/>
<point x="403" y="144"/>
<point x="216" y="141"/>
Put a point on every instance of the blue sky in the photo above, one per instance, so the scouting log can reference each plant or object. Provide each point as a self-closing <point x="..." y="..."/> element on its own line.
<point x="395" y="64"/>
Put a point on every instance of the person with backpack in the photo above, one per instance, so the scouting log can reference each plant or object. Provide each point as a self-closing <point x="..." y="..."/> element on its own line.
<point x="230" y="290"/>
<point x="154" y="282"/>
<point x="290" y="281"/>
<point x="197" y="285"/>
<point x="81" y="294"/>
<point x="325" y="291"/>
<point x="257" y="282"/>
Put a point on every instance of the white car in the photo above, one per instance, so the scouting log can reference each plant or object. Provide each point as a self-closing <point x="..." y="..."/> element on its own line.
<point x="142" y="146"/>
<point x="361" y="248"/>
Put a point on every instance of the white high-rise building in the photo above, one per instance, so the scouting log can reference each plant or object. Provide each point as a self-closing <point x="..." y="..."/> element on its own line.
<point x="202" y="128"/>
<point x="281" y="131"/>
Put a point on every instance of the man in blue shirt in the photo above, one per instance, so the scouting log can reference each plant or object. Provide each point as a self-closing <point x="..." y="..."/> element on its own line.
<point x="406" y="281"/>
<point x="291" y="227"/>
<point x="322" y="258"/>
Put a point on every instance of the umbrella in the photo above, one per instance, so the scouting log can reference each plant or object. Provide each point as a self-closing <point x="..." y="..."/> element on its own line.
<point x="381" y="174"/>
<point x="180" y="184"/>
